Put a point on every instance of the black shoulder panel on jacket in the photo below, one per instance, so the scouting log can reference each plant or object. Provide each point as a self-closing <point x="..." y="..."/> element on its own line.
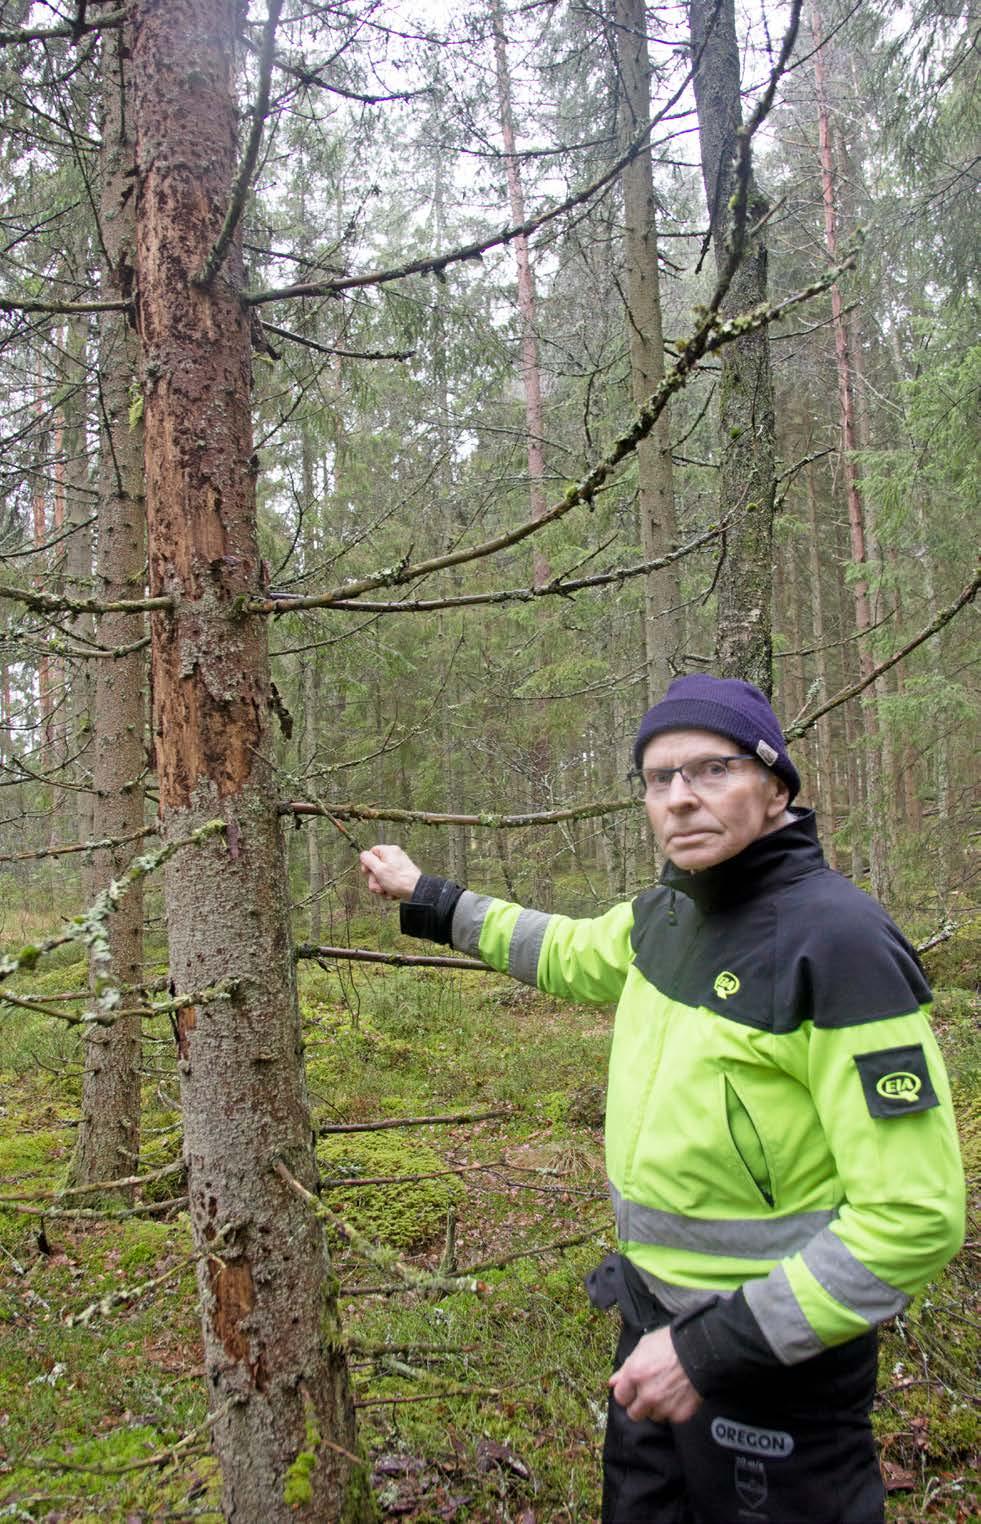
<point x="811" y="949"/>
<point x="841" y="960"/>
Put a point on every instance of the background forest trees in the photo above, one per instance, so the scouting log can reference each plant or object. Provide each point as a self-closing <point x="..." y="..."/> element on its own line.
<point x="459" y="254"/>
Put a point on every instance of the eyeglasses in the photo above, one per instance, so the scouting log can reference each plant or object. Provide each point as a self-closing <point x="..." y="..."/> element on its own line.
<point x="705" y="776"/>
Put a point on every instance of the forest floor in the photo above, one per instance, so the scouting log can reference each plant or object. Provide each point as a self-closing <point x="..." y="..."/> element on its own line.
<point x="483" y="1406"/>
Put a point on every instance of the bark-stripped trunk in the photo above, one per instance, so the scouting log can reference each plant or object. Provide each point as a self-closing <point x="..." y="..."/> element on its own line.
<point x="276" y="1372"/>
<point x="109" y="1133"/>
<point x="744" y="642"/>
<point x="663" y="624"/>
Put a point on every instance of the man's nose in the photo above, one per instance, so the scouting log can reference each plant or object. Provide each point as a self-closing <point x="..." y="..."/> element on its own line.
<point x="680" y="790"/>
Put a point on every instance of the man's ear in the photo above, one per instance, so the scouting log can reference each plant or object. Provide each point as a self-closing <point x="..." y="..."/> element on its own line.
<point x="779" y="797"/>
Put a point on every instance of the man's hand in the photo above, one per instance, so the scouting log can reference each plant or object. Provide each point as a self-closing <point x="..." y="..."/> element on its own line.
<point x="651" y="1382"/>
<point x="390" y="872"/>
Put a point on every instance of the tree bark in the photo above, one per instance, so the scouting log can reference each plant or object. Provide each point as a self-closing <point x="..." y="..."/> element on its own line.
<point x="283" y="1427"/>
<point x="744" y="642"/>
<point x="663" y="623"/>
<point x="109" y="1132"/>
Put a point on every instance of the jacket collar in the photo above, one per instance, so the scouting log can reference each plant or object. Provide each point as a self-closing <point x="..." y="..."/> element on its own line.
<point x="767" y="864"/>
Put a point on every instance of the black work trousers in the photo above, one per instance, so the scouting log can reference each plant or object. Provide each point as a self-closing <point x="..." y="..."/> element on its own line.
<point x="793" y="1447"/>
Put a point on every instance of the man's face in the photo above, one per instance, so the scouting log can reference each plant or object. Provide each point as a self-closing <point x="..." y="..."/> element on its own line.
<point x="699" y="829"/>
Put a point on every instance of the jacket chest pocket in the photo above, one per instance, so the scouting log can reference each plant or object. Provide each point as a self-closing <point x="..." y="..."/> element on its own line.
<point x="746" y="1141"/>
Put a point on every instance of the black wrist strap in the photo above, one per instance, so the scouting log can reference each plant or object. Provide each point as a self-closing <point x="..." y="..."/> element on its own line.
<point x="429" y="913"/>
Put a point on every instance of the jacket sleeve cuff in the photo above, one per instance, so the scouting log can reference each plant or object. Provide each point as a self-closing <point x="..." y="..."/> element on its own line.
<point x="429" y="913"/>
<point x="721" y="1345"/>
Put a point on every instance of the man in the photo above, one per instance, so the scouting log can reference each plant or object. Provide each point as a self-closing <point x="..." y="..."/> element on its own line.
<point x="780" y="1142"/>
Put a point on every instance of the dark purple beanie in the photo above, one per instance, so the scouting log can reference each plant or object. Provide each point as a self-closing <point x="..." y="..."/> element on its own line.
<point x="731" y="708"/>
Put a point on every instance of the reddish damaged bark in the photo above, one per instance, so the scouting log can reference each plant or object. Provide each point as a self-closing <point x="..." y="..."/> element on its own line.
<point x="271" y="1338"/>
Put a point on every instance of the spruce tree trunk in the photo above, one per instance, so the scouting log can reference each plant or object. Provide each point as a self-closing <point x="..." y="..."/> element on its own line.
<point x="276" y="1372"/>
<point x="744" y="642"/>
<point x="663" y="622"/>
<point x="109" y="1132"/>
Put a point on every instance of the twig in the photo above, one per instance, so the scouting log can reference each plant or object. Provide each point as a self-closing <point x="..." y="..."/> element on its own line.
<point x="400" y="960"/>
<point x="558" y="587"/>
<point x="442" y="1121"/>
<point x="966" y="596"/>
<point x="488" y="820"/>
<point x="357" y="1181"/>
<point x="711" y="334"/>
<point x="162" y="1457"/>
<point x="105" y="844"/>
<point x="51" y="603"/>
<point x="379" y="1255"/>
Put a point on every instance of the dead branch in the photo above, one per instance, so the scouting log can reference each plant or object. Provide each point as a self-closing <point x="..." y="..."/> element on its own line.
<point x="160" y="1459"/>
<point x="73" y="31"/>
<point x="382" y="1257"/>
<point x="88" y="1214"/>
<point x="487" y="821"/>
<point x="400" y="960"/>
<point x="386" y="1122"/>
<point x="966" y="596"/>
<point x="711" y="334"/>
<point x="558" y="587"/>
<point x="51" y="603"/>
<point x="357" y="1181"/>
<point x="105" y="844"/>
<point x="437" y="264"/>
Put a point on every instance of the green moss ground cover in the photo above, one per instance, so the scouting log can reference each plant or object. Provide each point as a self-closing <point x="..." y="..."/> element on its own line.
<point x="483" y="1407"/>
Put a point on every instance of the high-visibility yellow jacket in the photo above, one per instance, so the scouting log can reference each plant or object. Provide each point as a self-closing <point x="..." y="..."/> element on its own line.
<point x="780" y="1141"/>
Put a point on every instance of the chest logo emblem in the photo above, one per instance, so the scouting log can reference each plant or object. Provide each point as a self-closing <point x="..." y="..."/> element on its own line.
<point x="899" y="1086"/>
<point x="727" y="984"/>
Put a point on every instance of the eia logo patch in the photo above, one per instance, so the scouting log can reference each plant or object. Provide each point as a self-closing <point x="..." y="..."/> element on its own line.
<point x="726" y="984"/>
<point x="896" y="1081"/>
<point x="901" y="1086"/>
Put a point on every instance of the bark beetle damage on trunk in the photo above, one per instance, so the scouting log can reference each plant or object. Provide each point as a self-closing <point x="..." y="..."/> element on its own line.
<point x="268" y="1319"/>
<point x="234" y="1298"/>
<point x="187" y="1020"/>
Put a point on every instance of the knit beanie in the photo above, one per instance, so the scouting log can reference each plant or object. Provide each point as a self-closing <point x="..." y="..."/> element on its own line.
<point x="731" y="708"/>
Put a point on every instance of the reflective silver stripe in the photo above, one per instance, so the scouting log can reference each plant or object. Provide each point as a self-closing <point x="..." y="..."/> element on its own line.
<point x="468" y="919"/>
<point x="850" y="1282"/>
<point x="679" y="1299"/>
<point x="526" y="944"/>
<point x="781" y="1317"/>
<point x="736" y="1237"/>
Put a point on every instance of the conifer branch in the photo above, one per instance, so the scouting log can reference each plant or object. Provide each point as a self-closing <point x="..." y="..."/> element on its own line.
<point x="379" y="1255"/>
<point x="964" y="597"/>
<point x="52" y="603"/>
